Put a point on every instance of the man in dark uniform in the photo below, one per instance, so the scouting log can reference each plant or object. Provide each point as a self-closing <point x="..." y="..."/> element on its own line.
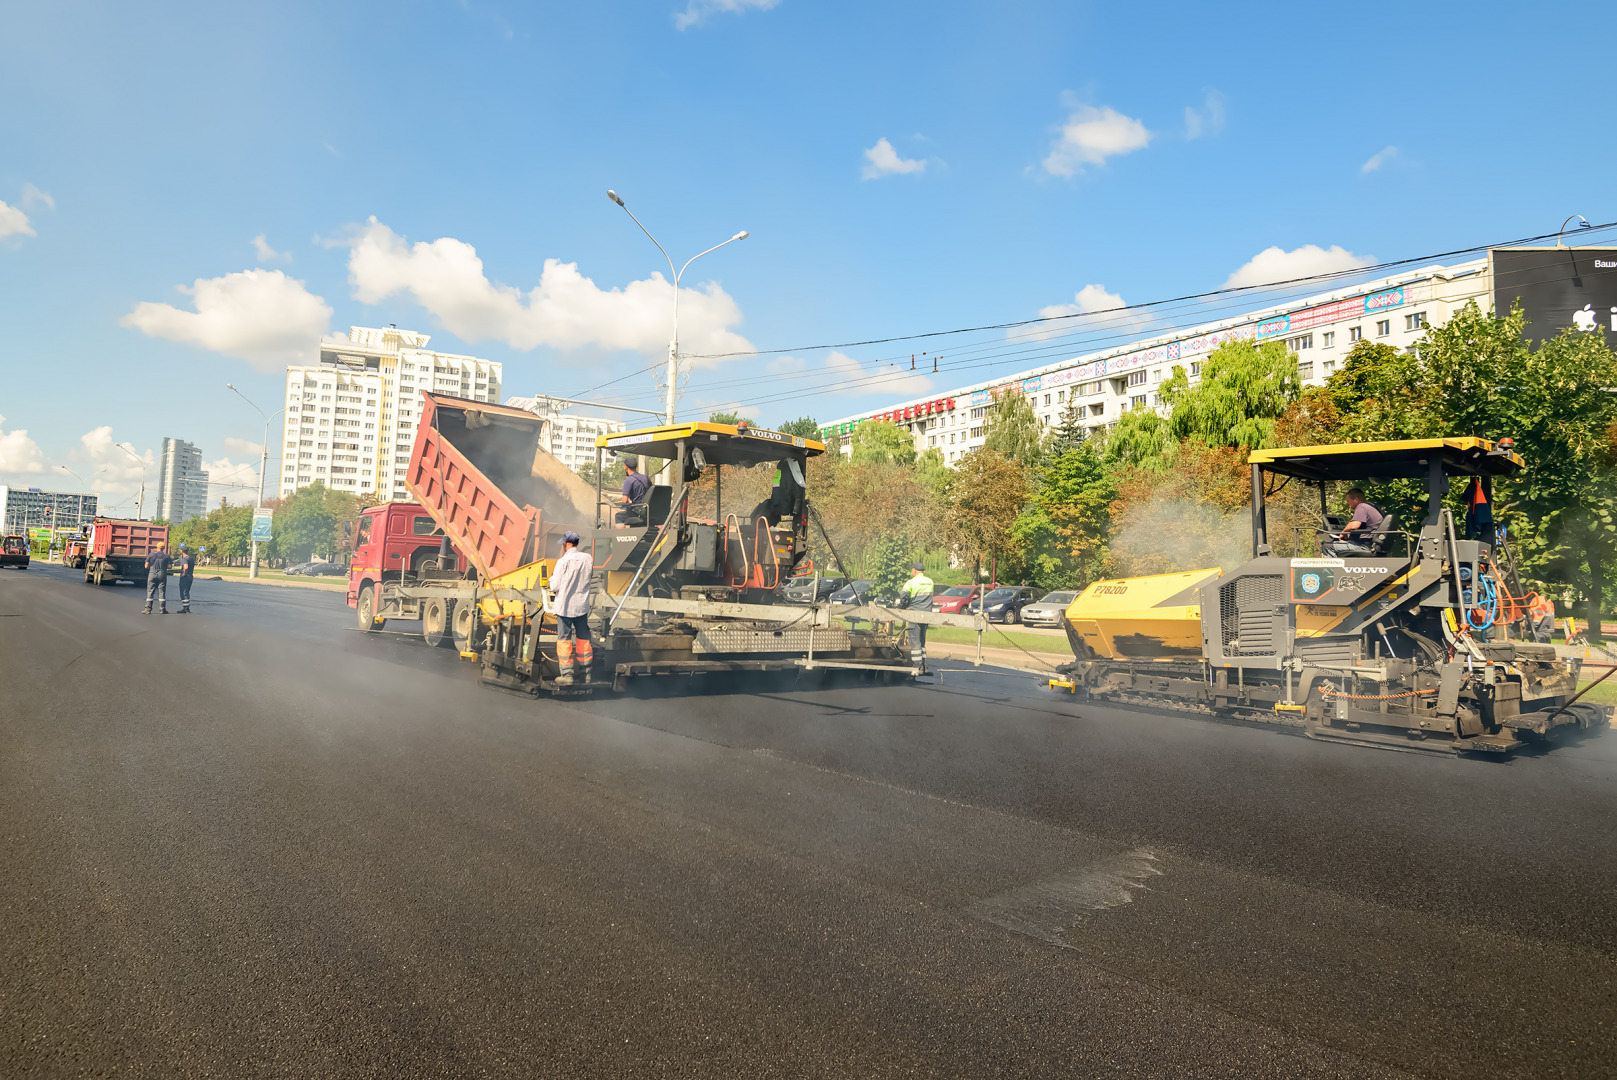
<point x="635" y="486"/>
<point x="157" y="564"/>
<point x="188" y="567"/>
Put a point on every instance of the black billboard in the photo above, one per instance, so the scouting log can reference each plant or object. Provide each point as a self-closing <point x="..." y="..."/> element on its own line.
<point x="1558" y="287"/>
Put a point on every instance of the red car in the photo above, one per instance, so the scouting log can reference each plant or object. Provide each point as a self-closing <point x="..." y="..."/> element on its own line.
<point x="954" y="600"/>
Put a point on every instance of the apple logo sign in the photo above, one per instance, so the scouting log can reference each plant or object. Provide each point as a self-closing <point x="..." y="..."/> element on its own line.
<point x="1585" y="319"/>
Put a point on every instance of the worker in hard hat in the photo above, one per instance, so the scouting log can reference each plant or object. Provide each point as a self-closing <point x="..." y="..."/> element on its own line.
<point x="570" y="595"/>
<point x="918" y="595"/>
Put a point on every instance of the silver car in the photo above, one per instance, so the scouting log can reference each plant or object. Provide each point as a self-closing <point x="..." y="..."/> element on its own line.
<point x="1049" y="610"/>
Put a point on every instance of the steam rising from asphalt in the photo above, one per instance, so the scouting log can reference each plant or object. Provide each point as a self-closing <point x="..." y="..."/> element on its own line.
<point x="1176" y="534"/>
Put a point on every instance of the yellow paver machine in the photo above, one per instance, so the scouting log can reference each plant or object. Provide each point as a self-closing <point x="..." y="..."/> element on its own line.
<point x="1398" y="644"/>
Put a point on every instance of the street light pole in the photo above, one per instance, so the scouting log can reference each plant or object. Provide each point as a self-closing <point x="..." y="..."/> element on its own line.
<point x="78" y="516"/>
<point x="263" y="465"/>
<point x="673" y="342"/>
<point x="140" y="505"/>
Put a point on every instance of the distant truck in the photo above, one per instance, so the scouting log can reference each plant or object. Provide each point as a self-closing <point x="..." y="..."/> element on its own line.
<point x="14" y="552"/>
<point x="76" y="550"/>
<point x="118" y="550"/>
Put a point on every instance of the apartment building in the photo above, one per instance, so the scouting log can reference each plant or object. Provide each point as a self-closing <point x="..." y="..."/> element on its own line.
<point x="351" y="417"/>
<point x="569" y="438"/>
<point x="182" y="482"/>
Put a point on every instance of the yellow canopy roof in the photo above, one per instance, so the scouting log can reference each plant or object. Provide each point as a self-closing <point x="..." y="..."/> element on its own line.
<point x="721" y="444"/>
<point x="1407" y="459"/>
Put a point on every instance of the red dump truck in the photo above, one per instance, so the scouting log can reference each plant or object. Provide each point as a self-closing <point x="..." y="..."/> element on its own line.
<point x="675" y="592"/>
<point x="118" y="550"/>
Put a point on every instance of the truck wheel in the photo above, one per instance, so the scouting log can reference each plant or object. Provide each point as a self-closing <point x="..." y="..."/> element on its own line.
<point x="435" y="619"/>
<point x="101" y="574"/>
<point x="468" y="628"/>
<point x="367" y="610"/>
<point x="87" y="578"/>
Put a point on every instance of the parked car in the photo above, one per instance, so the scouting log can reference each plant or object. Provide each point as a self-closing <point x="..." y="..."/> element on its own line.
<point x="1049" y="611"/>
<point x="954" y="599"/>
<point x="853" y="593"/>
<point x="318" y="569"/>
<point x="801" y="590"/>
<point x="1005" y="603"/>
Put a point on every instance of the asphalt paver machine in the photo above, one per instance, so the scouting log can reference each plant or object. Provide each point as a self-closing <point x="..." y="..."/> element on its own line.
<point x="1399" y="646"/>
<point x="674" y="592"/>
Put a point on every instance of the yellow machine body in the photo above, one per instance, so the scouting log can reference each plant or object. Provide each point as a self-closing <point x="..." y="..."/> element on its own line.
<point x="1140" y="618"/>
<point x="532" y="576"/>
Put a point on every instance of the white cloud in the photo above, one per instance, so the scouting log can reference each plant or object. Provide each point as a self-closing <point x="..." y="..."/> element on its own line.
<point x="1092" y="135"/>
<point x="268" y="254"/>
<point x="841" y="374"/>
<point x="13" y="222"/>
<point x="260" y="316"/>
<point x="1378" y="159"/>
<point x="245" y="447"/>
<point x="883" y="160"/>
<point x="566" y="310"/>
<point x="1207" y="120"/>
<point x="110" y="471"/>
<point x="234" y="480"/>
<point x="32" y="197"/>
<point x="1091" y="299"/>
<point x="18" y="453"/>
<point x="698" y="10"/>
<point x="1272" y="264"/>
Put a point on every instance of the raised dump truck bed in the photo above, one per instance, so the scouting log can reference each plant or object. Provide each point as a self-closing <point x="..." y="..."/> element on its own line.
<point x="481" y="471"/>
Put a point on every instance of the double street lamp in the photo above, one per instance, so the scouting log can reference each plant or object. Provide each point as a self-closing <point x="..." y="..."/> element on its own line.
<point x="263" y="464"/>
<point x="673" y="343"/>
<point x="140" y="506"/>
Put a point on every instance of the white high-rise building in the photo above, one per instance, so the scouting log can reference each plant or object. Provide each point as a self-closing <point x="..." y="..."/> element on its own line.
<point x="182" y="484"/>
<point x="350" y="419"/>
<point x="571" y="438"/>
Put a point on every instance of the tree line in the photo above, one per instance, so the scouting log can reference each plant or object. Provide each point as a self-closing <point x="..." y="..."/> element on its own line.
<point x="1169" y="489"/>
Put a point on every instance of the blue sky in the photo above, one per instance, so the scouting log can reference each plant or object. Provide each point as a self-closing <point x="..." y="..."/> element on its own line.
<point x="1033" y="152"/>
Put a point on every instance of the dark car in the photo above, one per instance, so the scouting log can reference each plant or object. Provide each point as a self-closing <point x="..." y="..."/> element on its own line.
<point x="802" y="590"/>
<point x="1048" y="611"/>
<point x="853" y="593"/>
<point x="1005" y="603"/>
<point x="318" y="569"/>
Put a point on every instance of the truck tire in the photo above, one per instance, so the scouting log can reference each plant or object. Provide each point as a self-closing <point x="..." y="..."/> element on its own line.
<point x="468" y="628"/>
<point x="366" y="610"/>
<point x="101" y="577"/>
<point x="436" y="622"/>
<point x="87" y="578"/>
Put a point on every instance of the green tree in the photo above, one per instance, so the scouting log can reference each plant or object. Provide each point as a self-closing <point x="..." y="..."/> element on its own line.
<point x="878" y="442"/>
<point x="932" y="471"/>
<point x="1014" y="430"/>
<point x="1070" y="431"/>
<point x="306" y="522"/>
<point x="1075" y="495"/>
<point x="985" y="495"/>
<point x="892" y="568"/>
<point x="1244" y="388"/>
<point x="804" y="427"/>
<point x="724" y="418"/>
<point x="1141" y="440"/>
<point x="612" y="481"/>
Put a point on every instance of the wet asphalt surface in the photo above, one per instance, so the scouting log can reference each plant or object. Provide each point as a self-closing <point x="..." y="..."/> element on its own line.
<point x="254" y="842"/>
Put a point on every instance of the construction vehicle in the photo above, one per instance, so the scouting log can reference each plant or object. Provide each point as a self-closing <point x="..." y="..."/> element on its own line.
<point x="1401" y="646"/>
<point x="672" y="594"/>
<point x="76" y="549"/>
<point x="404" y="568"/>
<point x="14" y="551"/>
<point x="118" y="550"/>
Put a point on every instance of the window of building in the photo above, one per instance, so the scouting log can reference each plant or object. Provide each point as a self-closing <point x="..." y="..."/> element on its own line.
<point x="1156" y="374"/>
<point x="1383" y="327"/>
<point x="977" y="414"/>
<point x="1136" y="378"/>
<point x="932" y="440"/>
<point x="1300" y="342"/>
<point x="1196" y="368"/>
<point x="1328" y="339"/>
<point x="1416" y="321"/>
<point x="1138" y="401"/>
<point x="1061" y="395"/>
<point x="1330" y="366"/>
<point x="1355" y="333"/>
<point x="1097" y="410"/>
<point x="976" y="433"/>
<point x="1305" y="370"/>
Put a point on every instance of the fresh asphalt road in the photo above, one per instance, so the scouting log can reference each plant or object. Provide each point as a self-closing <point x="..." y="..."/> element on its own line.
<point x="255" y="842"/>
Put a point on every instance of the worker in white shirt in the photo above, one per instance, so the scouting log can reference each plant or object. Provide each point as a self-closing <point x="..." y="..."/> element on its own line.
<point x="570" y="593"/>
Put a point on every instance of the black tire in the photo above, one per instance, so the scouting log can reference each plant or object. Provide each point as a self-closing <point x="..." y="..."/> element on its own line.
<point x="436" y="621"/>
<point x="467" y="628"/>
<point x="1013" y="616"/>
<point x="101" y="574"/>
<point x="365" y="610"/>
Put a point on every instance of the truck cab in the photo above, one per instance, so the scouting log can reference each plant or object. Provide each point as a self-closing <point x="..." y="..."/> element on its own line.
<point x="397" y="541"/>
<point x="14" y="551"/>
